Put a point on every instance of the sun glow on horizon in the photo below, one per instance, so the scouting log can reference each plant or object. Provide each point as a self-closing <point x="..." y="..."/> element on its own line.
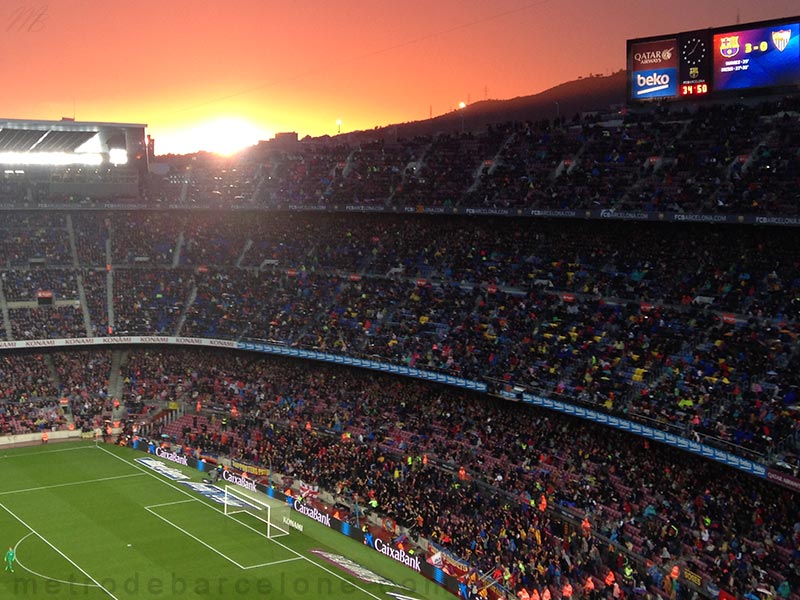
<point x="224" y="136"/>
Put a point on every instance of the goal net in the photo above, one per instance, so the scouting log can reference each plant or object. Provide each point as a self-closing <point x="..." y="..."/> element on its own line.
<point x="268" y="511"/>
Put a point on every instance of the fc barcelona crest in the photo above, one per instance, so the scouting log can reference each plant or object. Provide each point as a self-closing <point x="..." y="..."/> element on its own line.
<point x="729" y="46"/>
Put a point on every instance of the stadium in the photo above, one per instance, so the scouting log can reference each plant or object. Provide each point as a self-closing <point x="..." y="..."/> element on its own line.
<point x="545" y="358"/>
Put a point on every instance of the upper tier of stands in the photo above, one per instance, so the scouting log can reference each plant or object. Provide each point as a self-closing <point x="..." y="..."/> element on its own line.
<point x="731" y="159"/>
<point x="690" y="328"/>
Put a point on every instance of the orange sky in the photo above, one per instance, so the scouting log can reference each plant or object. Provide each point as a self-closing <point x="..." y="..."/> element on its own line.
<point x="245" y="69"/>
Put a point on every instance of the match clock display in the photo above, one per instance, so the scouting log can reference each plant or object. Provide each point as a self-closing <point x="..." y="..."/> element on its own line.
<point x="694" y="51"/>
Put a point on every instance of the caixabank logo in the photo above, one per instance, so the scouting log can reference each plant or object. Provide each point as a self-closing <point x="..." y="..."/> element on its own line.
<point x="655" y="83"/>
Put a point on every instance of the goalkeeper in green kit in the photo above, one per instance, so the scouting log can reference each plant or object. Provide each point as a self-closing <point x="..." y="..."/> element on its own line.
<point x="10" y="556"/>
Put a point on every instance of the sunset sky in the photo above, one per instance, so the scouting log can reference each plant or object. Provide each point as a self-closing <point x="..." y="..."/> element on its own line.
<point x="218" y="74"/>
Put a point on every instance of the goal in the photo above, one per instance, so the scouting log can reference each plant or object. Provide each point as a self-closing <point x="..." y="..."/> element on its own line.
<point x="270" y="512"/>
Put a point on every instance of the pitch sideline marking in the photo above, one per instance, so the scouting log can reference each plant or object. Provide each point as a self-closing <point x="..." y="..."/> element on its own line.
<point x="32" y="572"/>
<point x="67" y="558"/>
<point x="274" y="562"/>
<point x="295" y="552"/>
<point x="69" y="483"/>
<point x="18" y="454"/>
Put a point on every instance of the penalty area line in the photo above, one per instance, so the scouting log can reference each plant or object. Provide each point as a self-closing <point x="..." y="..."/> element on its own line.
<point x="64" y="556"/>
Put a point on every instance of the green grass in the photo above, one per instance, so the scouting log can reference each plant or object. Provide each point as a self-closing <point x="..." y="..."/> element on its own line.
<point x="89" y="522"/>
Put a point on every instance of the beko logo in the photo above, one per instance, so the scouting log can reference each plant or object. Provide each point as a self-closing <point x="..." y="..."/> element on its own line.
<point x="647" y="84"/>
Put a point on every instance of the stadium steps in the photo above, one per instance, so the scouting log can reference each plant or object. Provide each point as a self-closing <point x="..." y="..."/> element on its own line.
<point x="114" y="379"/>
<point x="257" y="191"/>
<point x="110" y="297"/>
<point x="73" y="248"/>
<point x="87" y="321"/>
<point x="184" y="190"/>
<point x="6" y="316"/>
<point x="51" y="369"/>
<point x="108" y="245"/>
<point x="47" y="360"/>
<point x="247" y="245"/>
<point x="189" y="302"/>
<point x="176" y="256"/>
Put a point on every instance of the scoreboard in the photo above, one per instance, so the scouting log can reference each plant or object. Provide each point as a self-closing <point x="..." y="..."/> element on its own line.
<point x="715" y="62"/>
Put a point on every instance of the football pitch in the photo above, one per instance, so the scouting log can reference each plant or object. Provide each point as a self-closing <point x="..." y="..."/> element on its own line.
<point x="92" y="522"/>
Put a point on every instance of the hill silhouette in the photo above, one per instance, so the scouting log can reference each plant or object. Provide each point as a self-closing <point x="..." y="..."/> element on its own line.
<point x="565" y="100"/>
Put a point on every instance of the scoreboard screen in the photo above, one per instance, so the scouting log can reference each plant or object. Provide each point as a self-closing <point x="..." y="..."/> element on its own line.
<point x="711" y="62"/>
<point x="763" y="57"/>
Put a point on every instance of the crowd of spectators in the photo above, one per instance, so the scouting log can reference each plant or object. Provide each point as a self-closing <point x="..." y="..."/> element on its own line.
<point x="147" y="237"/>
<point x="44" y="323"/>
<point x="28" y="400"/>
<point x="95" y="285"/>
<point x="35" y="236"/>
<point x="710" y="159"/>
<point x="83" y="378"/>
<point x="728" y="159"/>
<point x="91" y="231"/>
<point x="148" y="300"/>
<point x="24" y="377"/>
<point x="398" y="447"/>
<point x="23" y="285"/>
<point x="692" y="327"/>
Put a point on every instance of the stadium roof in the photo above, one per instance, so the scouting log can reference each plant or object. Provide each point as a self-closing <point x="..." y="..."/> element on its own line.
<point x="42" y="140"/>
<point x="36" y="142"/>
<point x="22" y="135"/>
<point x="63" y="124"/>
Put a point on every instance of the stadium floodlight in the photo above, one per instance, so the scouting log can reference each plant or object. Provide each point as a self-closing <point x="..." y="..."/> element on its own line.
<point x="118" y="156"/>
<point x="57" y="159"/>
<point x="272" y="513"/>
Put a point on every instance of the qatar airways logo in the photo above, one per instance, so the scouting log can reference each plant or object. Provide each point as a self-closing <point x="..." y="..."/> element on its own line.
<point x="659" y="54"/>
<point x="400" y="556"/>
<point x="653" y="57"/>
<point x="312" y="513"/>
<point x="247" y="484"/>
<point x="171" y="456"/>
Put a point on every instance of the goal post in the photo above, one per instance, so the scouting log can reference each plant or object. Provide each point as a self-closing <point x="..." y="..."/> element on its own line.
<point x="268" y="511"/>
